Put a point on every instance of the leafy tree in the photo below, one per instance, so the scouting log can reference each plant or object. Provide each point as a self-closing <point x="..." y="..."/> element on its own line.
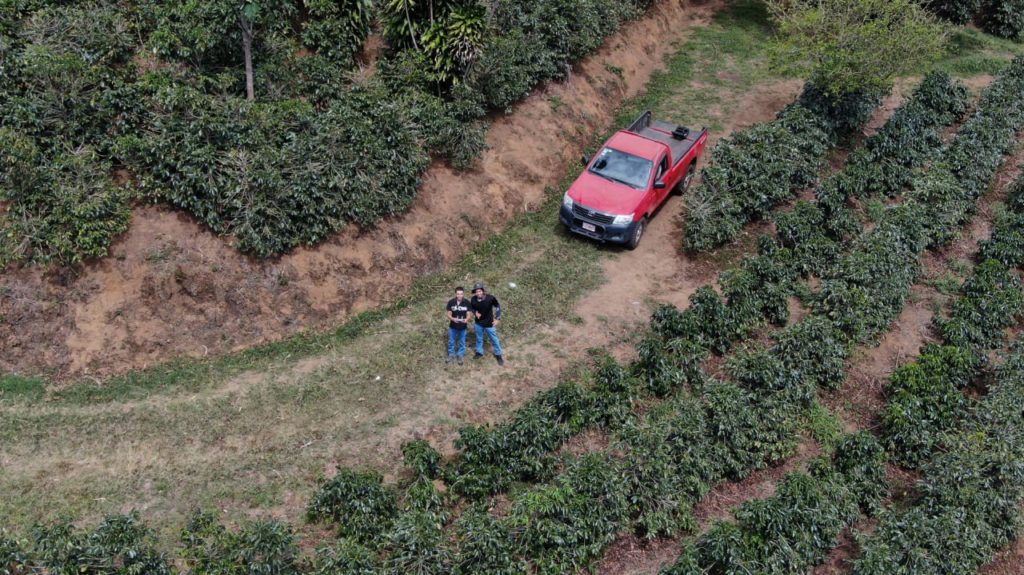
<point x="210" y="32"/>
<point x="849" y="45"/>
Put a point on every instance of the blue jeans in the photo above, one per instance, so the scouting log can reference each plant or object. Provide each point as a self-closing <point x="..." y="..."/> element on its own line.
<point x="456" y="335"/>
<point x="492" y="334"/>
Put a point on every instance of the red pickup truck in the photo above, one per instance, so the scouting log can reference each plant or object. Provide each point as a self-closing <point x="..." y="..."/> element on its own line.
<point x="629" y="179"/>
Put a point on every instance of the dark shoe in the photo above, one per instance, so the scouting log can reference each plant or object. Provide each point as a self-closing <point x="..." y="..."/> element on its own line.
<point x="501" y="360"/>
<point x="448" y="359"/>
<point x="477" y="355"/>
<point x="460" y="361"/>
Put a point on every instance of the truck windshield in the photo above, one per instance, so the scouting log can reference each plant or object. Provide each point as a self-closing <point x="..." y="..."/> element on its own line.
<point x="623" y="168"/>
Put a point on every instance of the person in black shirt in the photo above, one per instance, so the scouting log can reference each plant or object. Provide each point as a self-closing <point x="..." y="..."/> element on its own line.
<point x="487" y="312"/>
<point x="458" y="312"/>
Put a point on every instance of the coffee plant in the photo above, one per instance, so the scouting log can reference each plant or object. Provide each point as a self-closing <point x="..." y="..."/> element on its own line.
<point x="925" y="401"/>
<point x="1004" y="18"/>
<point x="259" y="547"/>
<point x="969" y="494"/>
<point x="566" y="525"/>
<point x="120" y="545"/>
<point x="486" y="544"/>
<point x="753" y="171"/>
<point x="958" y="12"/>
<point x="794" y="530"/>
<point x="359" y="503"/>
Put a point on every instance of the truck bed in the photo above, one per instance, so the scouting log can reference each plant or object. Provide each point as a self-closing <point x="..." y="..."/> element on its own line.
<point x="660" y="131"/>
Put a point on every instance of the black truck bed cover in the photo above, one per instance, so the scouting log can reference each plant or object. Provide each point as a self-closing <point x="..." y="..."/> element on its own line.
<point x="660" y="131"/>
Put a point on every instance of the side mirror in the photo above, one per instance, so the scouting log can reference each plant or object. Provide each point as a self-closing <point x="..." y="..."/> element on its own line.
<point x="659" y="185"/>
<point x="585" y="159"/>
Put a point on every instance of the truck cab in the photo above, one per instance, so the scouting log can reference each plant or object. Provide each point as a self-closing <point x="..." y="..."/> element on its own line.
<point x="631" y="176"/>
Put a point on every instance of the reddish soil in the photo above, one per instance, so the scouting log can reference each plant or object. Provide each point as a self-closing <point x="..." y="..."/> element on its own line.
<point x="1009" y="561"/>
<point x="171" y="288"/>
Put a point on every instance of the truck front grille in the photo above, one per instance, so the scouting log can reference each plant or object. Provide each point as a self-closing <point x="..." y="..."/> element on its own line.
<point x="591" y="214"/>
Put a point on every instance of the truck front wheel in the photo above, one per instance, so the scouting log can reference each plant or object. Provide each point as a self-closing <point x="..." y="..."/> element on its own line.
<point x="638" y="232"/>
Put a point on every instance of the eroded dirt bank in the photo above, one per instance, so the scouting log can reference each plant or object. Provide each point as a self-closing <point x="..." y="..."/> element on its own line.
<point x="171" y="288"/>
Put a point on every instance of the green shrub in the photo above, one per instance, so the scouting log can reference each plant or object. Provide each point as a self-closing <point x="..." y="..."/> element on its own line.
<point x="566" y="525"/>
<point x="970" y="494"/>
<point x="423" y="459"/>
<point x="803" y="230"/>
<point x="63" y="209"/>
<point x="753" y="171"/>
<point x="668" y="466"/>
<point x="815" y="350"/>
<point x="278" y="175"/>
<point x="337" y="29"/>
<point x="613" y="394"/>
<point x="1003" y="18"/>
<point x="416" y="546"/>
<point x="361" y="506"/>
<point x="925" y="402"/>
<point x="120" y="545"/>
<point x="796" y="528"/>
<point x="990" y="301"/>
<point x="843" y="114"/>
<point x="486" y="544"/>
<point x="1006" y="244"/>
<point x="866" y="289"/>
<point x="258" y="547"/>
<point x="757" y="290"/>
<point x="751" y="430"/>
<point x="347" y="557"/>
<point x="958" y="12"/>
<point x="13" y="559"/>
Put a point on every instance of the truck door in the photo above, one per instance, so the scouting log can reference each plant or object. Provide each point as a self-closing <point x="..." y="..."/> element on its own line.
<point x="662" y="175"/>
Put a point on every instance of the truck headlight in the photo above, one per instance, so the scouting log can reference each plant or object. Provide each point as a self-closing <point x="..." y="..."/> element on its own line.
<point x="622" y="220"/>
<point x="566" y="200"/>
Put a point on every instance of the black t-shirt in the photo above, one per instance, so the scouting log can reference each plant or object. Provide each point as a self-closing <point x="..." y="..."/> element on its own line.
<point x="459" y="311"/>
<point x="486" y="307"/>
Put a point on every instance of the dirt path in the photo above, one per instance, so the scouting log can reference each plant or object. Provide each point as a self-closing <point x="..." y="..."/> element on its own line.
<point x="171" y="288"/>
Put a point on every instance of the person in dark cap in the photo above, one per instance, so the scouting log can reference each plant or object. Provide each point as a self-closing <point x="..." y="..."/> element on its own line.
<point x="487" y="312"/>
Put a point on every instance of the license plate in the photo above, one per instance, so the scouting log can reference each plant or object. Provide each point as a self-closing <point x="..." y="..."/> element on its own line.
<point x="589" y="227"/>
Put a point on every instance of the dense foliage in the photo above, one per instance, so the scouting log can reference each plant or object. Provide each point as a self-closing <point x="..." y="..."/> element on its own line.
<point x="244" y="113"/>
<point x="753" y="171"/>
<point x="969" y="495"/>
<point x="794" y="529"/>
<point x="1003" y="18"/>
<point x="956" y="11"/>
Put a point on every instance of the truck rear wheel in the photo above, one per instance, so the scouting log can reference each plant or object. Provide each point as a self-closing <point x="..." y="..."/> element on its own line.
<point x="638" y="232"/>
<point x="688" y="178"/>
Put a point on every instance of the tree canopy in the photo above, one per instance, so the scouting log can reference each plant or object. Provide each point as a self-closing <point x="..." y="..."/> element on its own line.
<point x="849" y="45"/>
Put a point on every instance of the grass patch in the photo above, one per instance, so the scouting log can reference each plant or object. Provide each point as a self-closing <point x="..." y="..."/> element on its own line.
<point x="21" y="387"/>
<point x="702" y="80"/>
<point x="823" y="425"/>
<point x="972" y="52"/>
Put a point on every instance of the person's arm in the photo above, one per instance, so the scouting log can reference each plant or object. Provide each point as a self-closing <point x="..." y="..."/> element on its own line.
<point x="448" y="310"/>
<point x="497" y="311"/>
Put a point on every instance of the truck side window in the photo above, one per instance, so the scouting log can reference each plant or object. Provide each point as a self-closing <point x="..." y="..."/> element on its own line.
<point x="662" y="168"/>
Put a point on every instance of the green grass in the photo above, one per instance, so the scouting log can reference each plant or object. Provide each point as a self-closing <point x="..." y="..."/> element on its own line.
<point x="972" y="53"/>
<point x="21" y="387"/>
<point x="704" y="78"/>
<point x="823" y="425"/>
